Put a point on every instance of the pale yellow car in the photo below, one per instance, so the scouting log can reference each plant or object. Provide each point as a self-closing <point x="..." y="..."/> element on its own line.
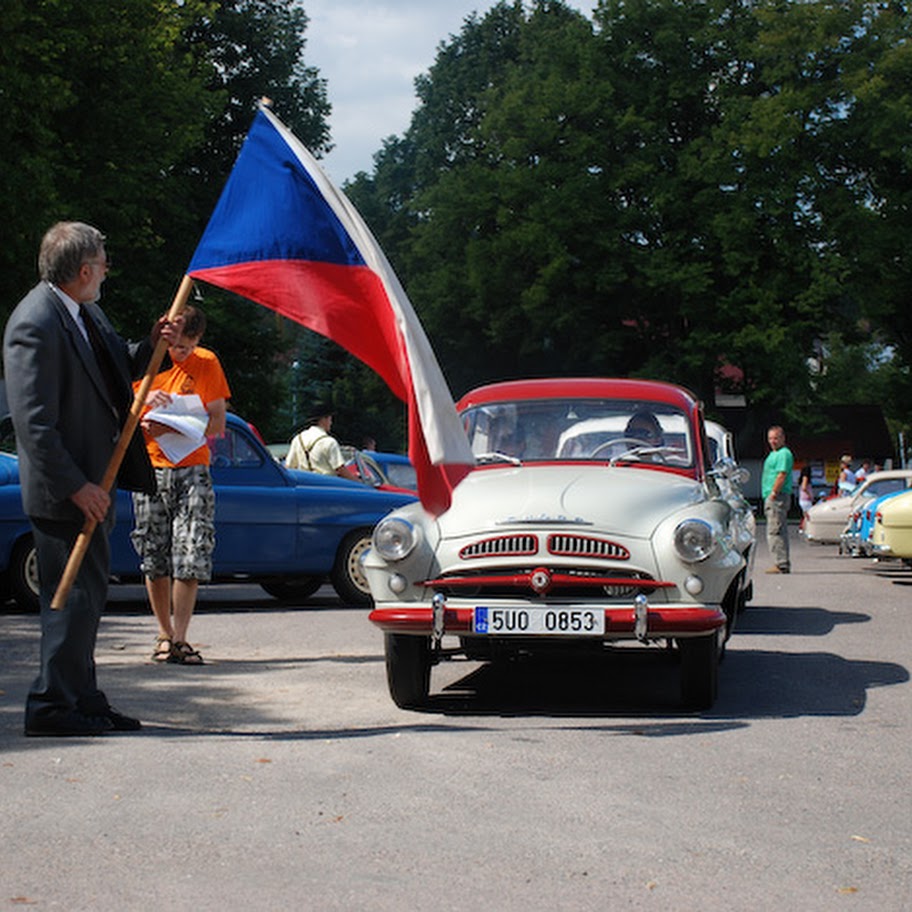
<point x="892" y="532"/>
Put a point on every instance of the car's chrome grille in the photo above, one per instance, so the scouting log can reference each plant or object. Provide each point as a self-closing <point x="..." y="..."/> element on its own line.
<point x="501" y="546"/>
<point x="586" y="546"/>
<point x="566" y="583"/>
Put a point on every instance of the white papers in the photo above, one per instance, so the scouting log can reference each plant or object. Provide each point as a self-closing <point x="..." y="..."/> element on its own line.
<point x="189" y="419"/>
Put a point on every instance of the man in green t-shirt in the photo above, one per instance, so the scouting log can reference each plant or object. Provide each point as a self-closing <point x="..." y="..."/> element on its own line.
<point x="776" y="488"/>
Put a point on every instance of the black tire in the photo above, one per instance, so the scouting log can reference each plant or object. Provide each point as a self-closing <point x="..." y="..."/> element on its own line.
<point x="23" y="574"/>
<point x="294" y="590"/>
<point x="699" y="671"/>
<point x="347" y="575"/>
<point x="408" y="669"/>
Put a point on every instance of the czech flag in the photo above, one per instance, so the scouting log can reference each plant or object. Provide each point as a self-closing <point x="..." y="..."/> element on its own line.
<point x="283" y="235"/>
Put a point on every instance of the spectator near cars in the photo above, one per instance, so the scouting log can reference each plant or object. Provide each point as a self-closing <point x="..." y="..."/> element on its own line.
<point x="175" y="526"/>
<point x="776" y="488"/>
<point x="846" y="482"/>
<point x="315" y="449"/>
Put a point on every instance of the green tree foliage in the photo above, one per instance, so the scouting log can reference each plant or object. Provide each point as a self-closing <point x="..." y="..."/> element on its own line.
<point x="98" y="102"/>
<point x="129" y="115"/>
<point x="676" y="186"/>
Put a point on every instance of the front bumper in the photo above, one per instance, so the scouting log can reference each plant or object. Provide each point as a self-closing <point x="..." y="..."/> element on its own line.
<point x="639" y="620"/>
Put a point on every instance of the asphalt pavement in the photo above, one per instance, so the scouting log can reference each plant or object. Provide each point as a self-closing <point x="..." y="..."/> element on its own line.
<point x="281" y="776"/>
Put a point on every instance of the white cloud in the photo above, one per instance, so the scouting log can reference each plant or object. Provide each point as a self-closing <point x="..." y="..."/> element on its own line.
<point x="370" y="54"/>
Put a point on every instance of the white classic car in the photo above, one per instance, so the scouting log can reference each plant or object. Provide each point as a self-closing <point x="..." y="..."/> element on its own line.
<point x="593" y="516"/>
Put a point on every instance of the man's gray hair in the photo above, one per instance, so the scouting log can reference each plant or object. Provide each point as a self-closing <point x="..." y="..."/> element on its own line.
<point x="64" y="248"/>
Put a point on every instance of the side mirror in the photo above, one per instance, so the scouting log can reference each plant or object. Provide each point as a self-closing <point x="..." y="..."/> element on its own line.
<point x="727" y="468"/>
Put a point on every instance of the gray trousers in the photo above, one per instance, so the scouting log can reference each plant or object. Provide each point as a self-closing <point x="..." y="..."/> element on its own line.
<point x="776" y="509"/>
<point x="66" y="680"/>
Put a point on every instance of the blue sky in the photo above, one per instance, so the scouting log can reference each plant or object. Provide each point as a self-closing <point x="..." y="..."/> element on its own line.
<point x="370" y="53"/>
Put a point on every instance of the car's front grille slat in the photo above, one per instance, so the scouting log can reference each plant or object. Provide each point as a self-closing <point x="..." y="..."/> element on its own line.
<point x="569" y="545"/>
<point x="501" y="546"/>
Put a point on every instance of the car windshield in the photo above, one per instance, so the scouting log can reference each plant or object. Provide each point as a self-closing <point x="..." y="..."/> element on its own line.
<point x="402" y="474"/>
<point x="615" y="430"/>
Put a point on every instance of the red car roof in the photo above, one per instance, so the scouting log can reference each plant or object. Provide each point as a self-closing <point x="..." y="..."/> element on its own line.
<point x="580" y="388"/>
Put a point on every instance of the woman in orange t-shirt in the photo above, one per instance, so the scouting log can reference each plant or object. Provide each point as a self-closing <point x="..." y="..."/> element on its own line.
<point x="174" y="532"/>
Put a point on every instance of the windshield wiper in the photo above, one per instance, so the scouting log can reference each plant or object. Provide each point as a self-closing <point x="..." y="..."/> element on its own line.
<point x="496" y="457"/>
<point x="637" y="452"/>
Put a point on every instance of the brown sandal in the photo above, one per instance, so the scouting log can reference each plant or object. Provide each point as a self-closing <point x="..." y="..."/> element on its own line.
<point x="184" y="654"/>
<point x="163" y="649"/>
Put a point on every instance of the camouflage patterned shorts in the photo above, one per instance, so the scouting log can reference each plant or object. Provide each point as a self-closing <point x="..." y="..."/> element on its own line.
<point x="174" y="531"/>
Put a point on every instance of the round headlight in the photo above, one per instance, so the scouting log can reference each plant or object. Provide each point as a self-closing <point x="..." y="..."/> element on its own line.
<point x="694" y="540"/>
<point x="395" y="538"/>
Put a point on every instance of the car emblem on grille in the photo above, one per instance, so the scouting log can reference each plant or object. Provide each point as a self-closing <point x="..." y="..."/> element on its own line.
<point x="540" y="579"/>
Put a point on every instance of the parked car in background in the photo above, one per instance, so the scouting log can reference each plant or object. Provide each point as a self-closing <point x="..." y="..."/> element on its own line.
<point x="387" y="471"/>
<point x="396" y="469"/>
<point x="284" y="529"/>
<point x="279" y="450"/>
<point x="855" y="540"/>
<point x="827" y="520"/>
<point x="891" y="535"/>
<point x="584" y="524"/>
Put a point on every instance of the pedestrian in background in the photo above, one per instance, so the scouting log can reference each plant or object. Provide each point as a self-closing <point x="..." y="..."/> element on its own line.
<point x="805" y="493"/>
<point x="776" y="488"/>
<point x="845" y="483"/>
<point x="315" y="449"/>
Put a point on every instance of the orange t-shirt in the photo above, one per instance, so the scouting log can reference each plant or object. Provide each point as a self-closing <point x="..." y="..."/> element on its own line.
<point x="201" y="373"/>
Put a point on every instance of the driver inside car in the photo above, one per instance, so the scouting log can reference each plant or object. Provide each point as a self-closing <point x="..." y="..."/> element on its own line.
<point x="643" y="425"/>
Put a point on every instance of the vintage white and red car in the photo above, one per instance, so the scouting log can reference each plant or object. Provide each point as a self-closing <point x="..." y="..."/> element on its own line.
<point x="593" y="517"/>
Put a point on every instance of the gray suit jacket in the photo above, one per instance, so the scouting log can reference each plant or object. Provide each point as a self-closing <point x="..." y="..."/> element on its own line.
<point x="66" y="425"/>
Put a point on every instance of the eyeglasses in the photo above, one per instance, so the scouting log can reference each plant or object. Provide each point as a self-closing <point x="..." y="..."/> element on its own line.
<point x="644" y="433"/>
<point x="105" y="264"/>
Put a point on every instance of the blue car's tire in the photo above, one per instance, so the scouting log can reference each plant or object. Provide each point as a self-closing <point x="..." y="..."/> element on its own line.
<point x="23" y="574"/>
<point x="298" y="589"/>
<point x="347" y="575"/>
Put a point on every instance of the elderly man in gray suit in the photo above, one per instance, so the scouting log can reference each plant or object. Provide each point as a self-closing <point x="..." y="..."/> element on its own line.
<point x="68" y="379"/>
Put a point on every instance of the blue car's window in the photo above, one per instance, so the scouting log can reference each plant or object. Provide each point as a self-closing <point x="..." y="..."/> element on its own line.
<point x="234" y="450"/>
<point x="402" y="475"/>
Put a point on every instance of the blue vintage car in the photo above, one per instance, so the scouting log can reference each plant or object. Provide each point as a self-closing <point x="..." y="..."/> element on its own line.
<point x="285" y="529"/>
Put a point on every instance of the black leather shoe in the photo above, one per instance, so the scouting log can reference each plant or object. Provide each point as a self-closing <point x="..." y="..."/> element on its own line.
<point x="68" y="725"/>
<point x="121" y="722"/>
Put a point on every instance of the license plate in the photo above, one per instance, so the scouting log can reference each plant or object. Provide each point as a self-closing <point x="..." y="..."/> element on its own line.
<point x="539" y="621"/>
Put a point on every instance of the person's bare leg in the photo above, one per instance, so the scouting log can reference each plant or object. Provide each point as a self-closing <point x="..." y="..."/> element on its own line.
<point x="159" y="591"/>
<point x="183" y="596"/>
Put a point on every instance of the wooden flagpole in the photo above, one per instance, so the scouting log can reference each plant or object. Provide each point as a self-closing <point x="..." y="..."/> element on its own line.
<point x="107" y="482"/>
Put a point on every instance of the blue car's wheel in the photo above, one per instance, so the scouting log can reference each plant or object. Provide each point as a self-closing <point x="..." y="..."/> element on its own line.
<point x="23" y="574"/>
<point x="348" y="576"/>
<point x="293" y="590"/>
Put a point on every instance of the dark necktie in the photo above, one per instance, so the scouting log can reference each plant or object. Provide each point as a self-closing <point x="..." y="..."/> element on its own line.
<point x="105" y="361"/>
